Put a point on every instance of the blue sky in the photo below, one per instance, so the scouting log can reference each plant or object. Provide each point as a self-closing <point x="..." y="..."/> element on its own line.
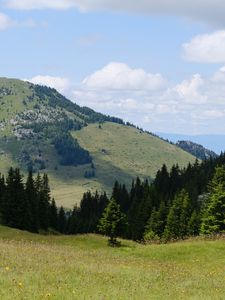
<point x="158" y="64"/>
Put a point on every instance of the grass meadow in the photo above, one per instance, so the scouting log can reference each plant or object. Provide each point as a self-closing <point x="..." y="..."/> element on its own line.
<point x="84" y="267"/>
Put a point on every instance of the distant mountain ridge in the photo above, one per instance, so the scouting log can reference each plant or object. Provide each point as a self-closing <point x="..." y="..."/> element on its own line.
<point x="197" y="150"/>
<point x="214" y="142"/>
<point x="80" y="149"/>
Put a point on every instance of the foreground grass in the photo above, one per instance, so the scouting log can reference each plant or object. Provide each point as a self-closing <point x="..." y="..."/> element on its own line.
<point x="83" y="267"/>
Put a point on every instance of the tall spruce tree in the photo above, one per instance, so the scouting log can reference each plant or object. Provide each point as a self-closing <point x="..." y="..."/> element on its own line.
<point x="194" y="223"/>
<point x="151" y="228"/>
<point x="88" y="212"/>
<point x="120" y="194"/>
<point x="62" y="220"/>
<point x="53" y="215"/>
<point x="74" y="221"/>
<point x="178" y="217"/>
<point x="32" y="201"/>
<point x="112" y="222"/>
<point x="156" y="223"/>
<point x="136" y="198"/>
<point x="214" y="215"/>
<point x="2" y="192"/>
<point x="16" y="209"/>
<point x="44" y="201"/>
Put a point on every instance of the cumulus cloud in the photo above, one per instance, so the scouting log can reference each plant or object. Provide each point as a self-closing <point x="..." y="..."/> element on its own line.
<point x="195" y="105"/>
<point x="206" y="48"/>
<point x="209" y="11"/>
<point x="189" y="90"/>
<point x="59" y="83"/>
<point x="119" y="76"/>
<point x="6" y="22"/>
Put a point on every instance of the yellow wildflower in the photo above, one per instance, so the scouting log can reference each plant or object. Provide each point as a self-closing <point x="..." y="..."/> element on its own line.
<point x="48" y="295"/>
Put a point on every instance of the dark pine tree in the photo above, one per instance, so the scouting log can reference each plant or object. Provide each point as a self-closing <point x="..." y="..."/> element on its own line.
<point x="32" y="200"/>
<point x="74" y="221"/>
<point x="178" y="217"/>
<point x="136" y="197"/>
<point x="2" y="192"/>
<point x="62" y="220"/>
<point x="121" y="195"/>
<point x="53" y="215"/>
<point x="16" y="209"/>
<point x="156" y="223"/>
<point x="162" y="184"/>
<point x="42" y="186"/>
<point x="194" y="224"/>
<point x="89" y="212"/>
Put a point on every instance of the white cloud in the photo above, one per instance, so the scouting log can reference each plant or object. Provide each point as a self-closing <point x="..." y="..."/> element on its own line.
<point x="206" y="48"/>
<point x="119" y="76"/>
<point x="214" y="114"/>
<point x="59" y="83"/>
<point x="207" y="115"/>
<point x="5" y="22"/>
<point x="189" y="90"/>
<point x="219" y="76"/>
<point x="193" y="106"/>
<point x="39" y="4"/>
<point x="209" y="11"/>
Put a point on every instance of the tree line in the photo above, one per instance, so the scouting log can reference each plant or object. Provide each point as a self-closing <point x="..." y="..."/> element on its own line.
<point x="180" y="202"/>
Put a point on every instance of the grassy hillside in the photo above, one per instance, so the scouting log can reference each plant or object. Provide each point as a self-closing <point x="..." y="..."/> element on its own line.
<point x="119" y="153"/>
<point x="122" y="153"/>
<point x="33" y="117"/>
<point x="83" y="267"/>
<point x="131" y="150"/>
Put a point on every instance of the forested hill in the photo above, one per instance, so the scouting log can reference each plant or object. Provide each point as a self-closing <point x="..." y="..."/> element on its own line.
<point x="196" y="149"/>
<point x="28" y="95"/>
<point x="80" y="149"/>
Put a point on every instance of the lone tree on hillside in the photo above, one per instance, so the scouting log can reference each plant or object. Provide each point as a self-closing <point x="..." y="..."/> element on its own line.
<point x="112" y="222"/>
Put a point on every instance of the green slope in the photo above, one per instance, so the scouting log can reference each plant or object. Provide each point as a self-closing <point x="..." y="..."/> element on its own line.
<point x="83" y="267"/>
<point x="119" y="150"/>
<point x="119" y="153"/>
<point x="32" y="116"/>
<point x="122" y="161"/>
